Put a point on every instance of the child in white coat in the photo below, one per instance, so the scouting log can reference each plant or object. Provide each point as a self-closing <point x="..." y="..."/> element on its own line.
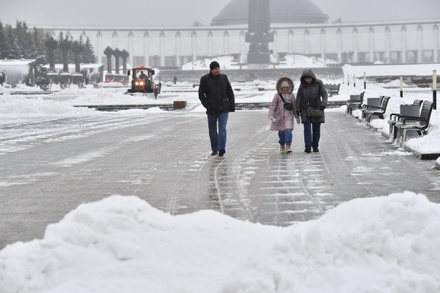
<point x="282" y="113"/>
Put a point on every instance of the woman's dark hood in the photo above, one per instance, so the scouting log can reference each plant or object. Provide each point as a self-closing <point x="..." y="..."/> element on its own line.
<point x="307" y="73"/>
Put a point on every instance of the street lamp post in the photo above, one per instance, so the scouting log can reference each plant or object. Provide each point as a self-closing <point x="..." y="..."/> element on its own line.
<point x="365" y="81"/>
<point x="401" y="86"/>
<point x="434" y="89"/>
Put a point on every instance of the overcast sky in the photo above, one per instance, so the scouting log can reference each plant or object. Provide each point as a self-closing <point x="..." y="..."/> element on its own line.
<point x="185" y="12"/>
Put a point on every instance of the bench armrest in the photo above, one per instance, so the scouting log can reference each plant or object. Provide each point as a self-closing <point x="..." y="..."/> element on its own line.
<point x="405" y="118"/>
<point x="370" y="107"/>
<point x="402" y="117"/>
<point x="394" y="116"/>
<point x="374" y="108"/>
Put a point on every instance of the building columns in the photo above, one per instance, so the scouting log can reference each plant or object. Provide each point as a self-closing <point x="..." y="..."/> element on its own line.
<point x="436" y="46"/>
<point x="243" y="47"/>
<point x="306" y="42"/>
<point x="130" y="48"/>
<point x="178" y="48"/>
<point x="355" y="46"/>
<point x="290" y="42"/>
<point x="275" y="45"/>
<point x="99" y="48"/>
<point x="323" y="44"/>
<point x="371" y="44"/>
<point x="161" y="49"/>
<point x="194" y="46"/>
<point x="339" y="44"/>
<point x="419" y="44"/>
<point x="146" y="49"/>
<point x="211" y="45"/>
<point x="226" y="43"/>
<point x="403" y="44"/>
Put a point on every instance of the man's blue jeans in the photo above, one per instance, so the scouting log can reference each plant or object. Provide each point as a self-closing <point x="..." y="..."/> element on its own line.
<point x="285" y="137"/>
<point x="312" y="134"/>
<point x="217" y="135"/>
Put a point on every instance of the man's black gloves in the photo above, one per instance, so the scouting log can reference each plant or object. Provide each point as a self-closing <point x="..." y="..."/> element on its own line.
<point x="322" y="107"/>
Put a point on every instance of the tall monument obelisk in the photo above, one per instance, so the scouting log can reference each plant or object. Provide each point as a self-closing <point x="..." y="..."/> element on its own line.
<point x="259" y="35"/>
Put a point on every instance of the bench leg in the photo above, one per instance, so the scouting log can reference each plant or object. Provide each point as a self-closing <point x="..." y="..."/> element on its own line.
<point x="391" y="133"/>
<point x="367" y="118"/>
<point x="395" y="132"/>
<point x="405" y="135"/>
<point x="398" y="135"/>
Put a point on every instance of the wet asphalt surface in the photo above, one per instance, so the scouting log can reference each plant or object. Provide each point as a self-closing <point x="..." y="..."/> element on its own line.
<point x="48" y="168"/>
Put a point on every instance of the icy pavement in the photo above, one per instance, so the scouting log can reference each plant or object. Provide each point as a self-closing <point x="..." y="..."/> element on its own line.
<point x="48" y="168"/>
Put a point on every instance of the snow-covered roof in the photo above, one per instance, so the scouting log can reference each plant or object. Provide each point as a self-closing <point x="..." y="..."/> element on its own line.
<point x="16" y="62"/>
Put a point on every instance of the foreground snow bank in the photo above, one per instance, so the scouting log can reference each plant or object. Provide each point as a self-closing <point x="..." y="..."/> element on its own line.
<point x="122" y="244"/>
<point x="386" y="244"/>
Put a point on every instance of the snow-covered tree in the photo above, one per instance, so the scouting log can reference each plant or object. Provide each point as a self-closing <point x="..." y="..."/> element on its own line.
<point x="51" y="45"/>
<point x="77" y="48"/>
<point x="88" y="55"/>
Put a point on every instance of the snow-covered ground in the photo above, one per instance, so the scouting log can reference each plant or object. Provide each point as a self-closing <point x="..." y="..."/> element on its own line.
<point x="122" y="244"/>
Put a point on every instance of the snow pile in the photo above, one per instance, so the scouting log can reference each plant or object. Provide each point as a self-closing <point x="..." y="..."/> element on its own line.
<point x="14" y="106"/>
<point x="396" y="84"/>
<point x="122" y="244"/>
<point x="387" y="244"/>
<point x="394" y="70"/>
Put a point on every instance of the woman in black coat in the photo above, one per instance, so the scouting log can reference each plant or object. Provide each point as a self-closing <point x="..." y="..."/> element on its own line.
<point x="313" y="95"/>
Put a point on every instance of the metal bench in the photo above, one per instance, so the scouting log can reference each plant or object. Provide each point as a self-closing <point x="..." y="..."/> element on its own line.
<point x="369" y="104"/>
<point x="369" y="110"/>
<point x="418" y="125"/>
<point x="332" y="89"/>
<point x="354" y="102"/>
<point x="406" y="110"/>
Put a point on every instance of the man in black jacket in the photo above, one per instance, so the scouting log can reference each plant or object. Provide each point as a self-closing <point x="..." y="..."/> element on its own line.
<point x="216" y="95"/>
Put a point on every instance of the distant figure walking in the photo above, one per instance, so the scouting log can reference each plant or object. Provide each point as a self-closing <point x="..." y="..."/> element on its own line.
<point x="311" y="100"/>
<point x="217" y="96"/>
<point x="175" y="79"/>
<point x="282" y="111"/>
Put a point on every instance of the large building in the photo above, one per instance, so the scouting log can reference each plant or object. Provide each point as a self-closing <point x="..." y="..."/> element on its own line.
<point x="299" y="27"/>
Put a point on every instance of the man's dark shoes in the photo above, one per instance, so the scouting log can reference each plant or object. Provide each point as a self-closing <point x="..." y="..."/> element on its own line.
<point x="221" y="152"/>
<point x="307" y="150"/>
<point x="214" y="153"/>
<point x="315" y="150"/>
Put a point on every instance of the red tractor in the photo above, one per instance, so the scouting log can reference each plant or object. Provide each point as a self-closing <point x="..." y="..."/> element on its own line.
<point x="142" y="81"/>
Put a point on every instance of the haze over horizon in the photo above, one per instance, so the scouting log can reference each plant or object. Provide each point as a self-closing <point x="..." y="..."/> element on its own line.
<point x="111" y="13"/>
